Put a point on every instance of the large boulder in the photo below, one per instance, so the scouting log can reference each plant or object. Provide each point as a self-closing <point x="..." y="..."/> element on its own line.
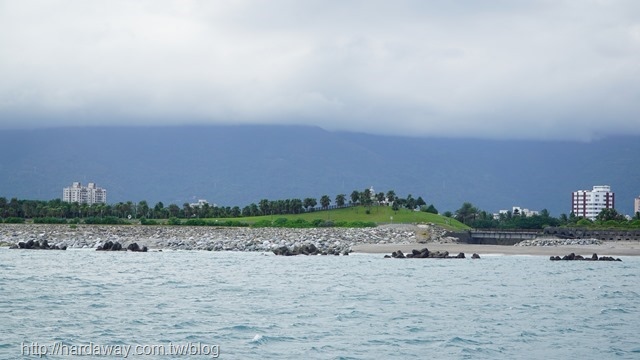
<point x="110" y="246"/>
<point x="133" y="247"/>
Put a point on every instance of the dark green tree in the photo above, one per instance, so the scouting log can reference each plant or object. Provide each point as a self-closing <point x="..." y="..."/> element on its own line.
<point x="609" y="214"/>
<point x="432" y="209"/>
<point x="411" y="202"/>
<point x="325" y="201"/>
<point x="355" y="197"/>
<point x="309" y="203"/>
<point x="391" y="196"/>
<point x="174" y="210"/>
<point x="395" y="206"/>
<point x="466" y="213"/>
<point x="158" y="211"/>
<point x="264" y="206"/>
<point x="235" y="211"/>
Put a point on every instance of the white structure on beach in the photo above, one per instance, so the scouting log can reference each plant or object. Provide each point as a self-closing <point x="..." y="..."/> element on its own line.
<point x="589" y="203"/>
<point x="90" y="194"/>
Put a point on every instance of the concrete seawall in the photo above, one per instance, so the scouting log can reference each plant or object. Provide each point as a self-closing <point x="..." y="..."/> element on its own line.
<point x="584" y="233"/>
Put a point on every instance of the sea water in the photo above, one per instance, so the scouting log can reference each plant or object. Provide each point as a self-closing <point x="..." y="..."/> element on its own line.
<point x="255" y="306"/>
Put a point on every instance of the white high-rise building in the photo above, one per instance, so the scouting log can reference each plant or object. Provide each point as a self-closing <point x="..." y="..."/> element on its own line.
<point x="589" y="203"/>
<point x="90" y="194"/>
<point x="636" y="205"/>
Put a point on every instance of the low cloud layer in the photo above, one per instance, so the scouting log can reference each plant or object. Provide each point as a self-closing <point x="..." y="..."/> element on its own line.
<point x="534" y="69"/>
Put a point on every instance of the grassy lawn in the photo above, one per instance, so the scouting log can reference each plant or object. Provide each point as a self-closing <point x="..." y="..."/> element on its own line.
<point x="378" y="214"/>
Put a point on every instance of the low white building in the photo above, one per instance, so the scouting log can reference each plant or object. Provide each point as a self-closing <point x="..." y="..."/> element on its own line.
<point x="200" y="203"/>
<point x="90" y="194"/>
<point x="516" y="211"/>
<point x="589" y="203"/>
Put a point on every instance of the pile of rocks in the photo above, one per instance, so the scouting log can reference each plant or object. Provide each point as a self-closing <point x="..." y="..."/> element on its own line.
<point x="307" y="249"/>
<point x="329" y="240"/>
<point x="426" y="254"/>
<point x="38" y="245"/>
<point x="116" y="246"/>
<point x="558" y="242"/>
<point x="593" y="257"/>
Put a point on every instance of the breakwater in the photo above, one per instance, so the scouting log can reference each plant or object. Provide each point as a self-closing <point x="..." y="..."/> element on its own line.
<point x="584" y="233"/>
<point x="331" y="240"/>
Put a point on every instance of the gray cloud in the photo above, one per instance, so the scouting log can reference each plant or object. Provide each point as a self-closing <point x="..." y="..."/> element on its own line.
<point x="493" y="69"/>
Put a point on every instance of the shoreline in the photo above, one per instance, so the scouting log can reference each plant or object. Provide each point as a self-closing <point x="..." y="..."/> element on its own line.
<point x="379" y="240"/>
<point x="619" y="248"/>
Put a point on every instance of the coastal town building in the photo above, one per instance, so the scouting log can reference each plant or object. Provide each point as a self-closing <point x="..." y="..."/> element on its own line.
<point x="636" y="205"/>
<point x="589" y="203"/>
<point x="516" y="211"/>
<point x="90" y="194"/>
<point x="200" y="203"/>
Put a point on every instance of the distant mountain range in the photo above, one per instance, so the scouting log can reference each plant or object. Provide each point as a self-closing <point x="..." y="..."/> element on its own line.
<point x="238" y="165"/>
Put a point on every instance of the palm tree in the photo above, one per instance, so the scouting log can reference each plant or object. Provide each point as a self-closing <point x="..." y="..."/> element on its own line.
<point x="355" y="197"/>
<point x="174" y="210"/>
<point x="325" y="201"/>
<point x="296" y="206"/>
<point x="411" y="202"/>
<point x="366" y="195"/>
<point x="264" y="206"/>
<point x="186" y="208"/>
<point x="310" y="203"/>
<point x="340" y="200"/>
<point x="391" y="196"/>
<point x="143" y="208"/>
<point x="158" y="210"/>
<point x="466" y="213"/>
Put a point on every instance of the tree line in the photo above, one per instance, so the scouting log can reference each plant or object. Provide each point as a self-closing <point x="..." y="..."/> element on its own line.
<point x="31" y="209"/>
<point x="479" y="219"/>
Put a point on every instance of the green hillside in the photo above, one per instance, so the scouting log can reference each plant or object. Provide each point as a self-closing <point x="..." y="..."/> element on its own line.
<point x="377" y="214"/>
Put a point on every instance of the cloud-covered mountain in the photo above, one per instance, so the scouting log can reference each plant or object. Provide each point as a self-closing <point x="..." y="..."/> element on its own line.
<point x="238" y="165"/>
<point x="534" y="69"/>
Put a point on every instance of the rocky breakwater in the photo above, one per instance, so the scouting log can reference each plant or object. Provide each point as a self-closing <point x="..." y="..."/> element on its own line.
<point x="593" y="257"/>
<point x="426" y="254"/>
<point x="116" y="246"/>
<point x="38" y="245"/>
<point x="309" y="249"/>
<point x="329" y="240"/>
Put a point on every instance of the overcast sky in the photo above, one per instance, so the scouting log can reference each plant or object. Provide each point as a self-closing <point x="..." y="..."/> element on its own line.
<point x="538" y="69"/>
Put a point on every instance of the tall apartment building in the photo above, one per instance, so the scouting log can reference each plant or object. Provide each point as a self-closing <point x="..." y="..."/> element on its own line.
<point x="90" y="194"/>
<point x="636" y="205"/>
<point x="589" y="203"/>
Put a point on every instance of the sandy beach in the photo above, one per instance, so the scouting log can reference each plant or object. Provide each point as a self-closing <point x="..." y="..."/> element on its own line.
<point x="617" y="248"/>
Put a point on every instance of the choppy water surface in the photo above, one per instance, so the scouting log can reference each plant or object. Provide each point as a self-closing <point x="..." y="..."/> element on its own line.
<point x="357" y="307"/>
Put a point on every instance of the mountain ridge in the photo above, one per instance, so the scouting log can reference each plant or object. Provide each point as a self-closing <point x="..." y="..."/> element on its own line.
<point x="237" y="165"/>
